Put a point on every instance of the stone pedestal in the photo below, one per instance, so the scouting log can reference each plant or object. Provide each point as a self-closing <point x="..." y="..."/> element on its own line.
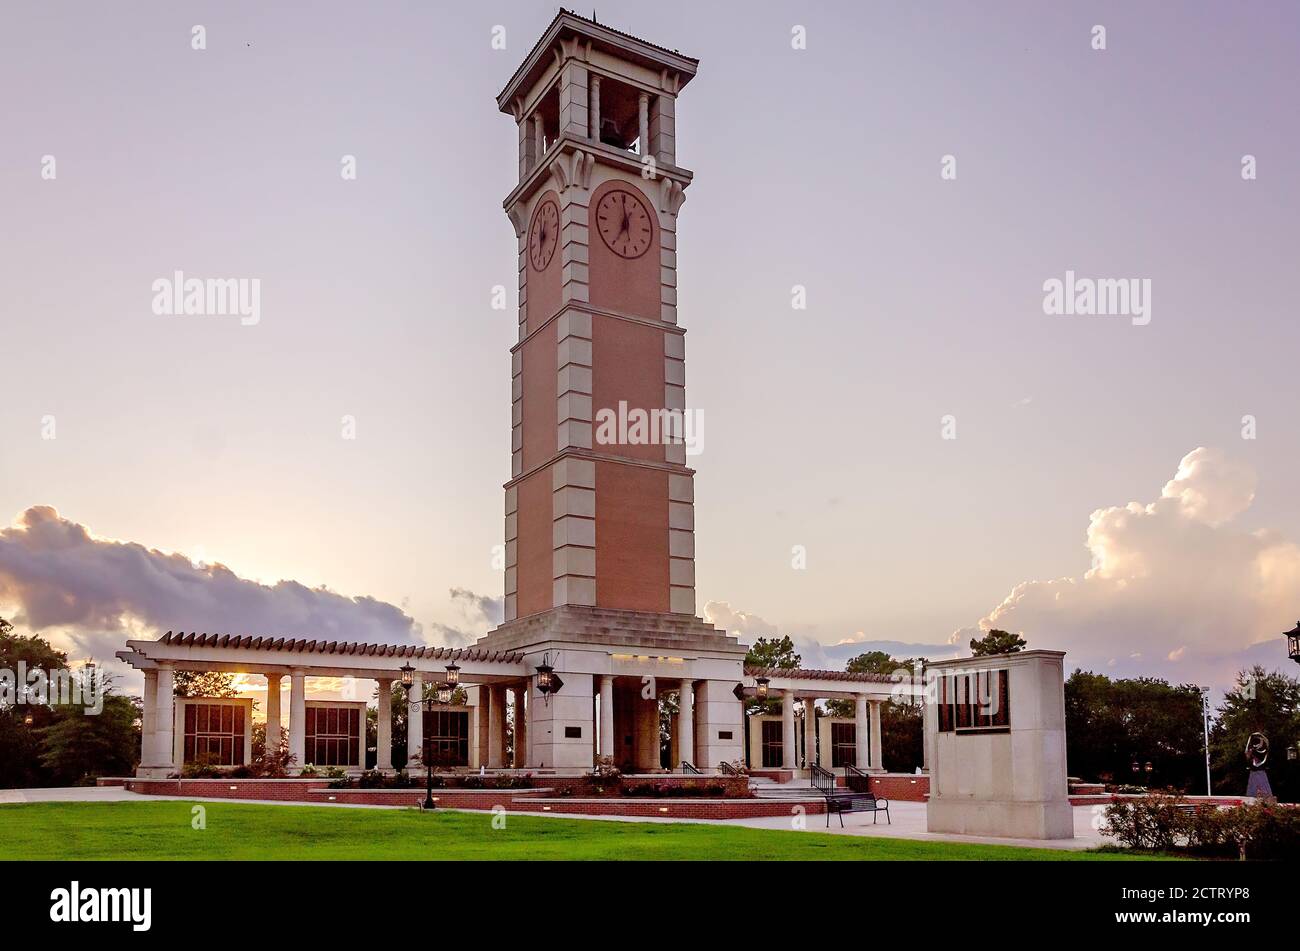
<point x="1005" y="777"/>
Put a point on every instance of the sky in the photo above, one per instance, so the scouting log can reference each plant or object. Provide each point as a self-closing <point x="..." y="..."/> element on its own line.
<point x="1100" y="495"/>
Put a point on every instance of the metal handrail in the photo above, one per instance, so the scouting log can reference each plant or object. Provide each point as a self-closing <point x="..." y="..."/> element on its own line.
<point x="690" y="768"/>
<point x="726" y="769"/>
<point x="823" y="780"/>
<point x="856" y="777"/>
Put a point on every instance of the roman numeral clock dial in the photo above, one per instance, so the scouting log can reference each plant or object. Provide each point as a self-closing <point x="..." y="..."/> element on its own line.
<point x="624" y="223"/>
<point x="543" y="235"/>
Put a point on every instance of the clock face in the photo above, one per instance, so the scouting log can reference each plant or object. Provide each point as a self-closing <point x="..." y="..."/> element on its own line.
<point x="543" y="235"/>
<point x="624" y="223"/>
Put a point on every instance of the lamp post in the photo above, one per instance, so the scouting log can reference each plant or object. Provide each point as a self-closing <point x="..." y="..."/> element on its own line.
<point x="760" y="687"/>
<point x="1293" y="643"/>
<point x="443" y="695"/>
<point x="1205" y="722"/>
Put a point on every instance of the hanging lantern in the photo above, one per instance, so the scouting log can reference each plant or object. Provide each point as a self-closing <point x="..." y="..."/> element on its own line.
<point x="453" y="675"/>
<point x="444" y="693"/>
<point x="761" y="689"/>
<point x="545" y="678"/>
<point x="407" y="676"/>
<point x="1293" y="643"/>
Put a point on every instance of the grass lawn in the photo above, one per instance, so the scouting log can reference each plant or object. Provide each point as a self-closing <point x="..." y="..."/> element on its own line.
<point x="162" y="830"/>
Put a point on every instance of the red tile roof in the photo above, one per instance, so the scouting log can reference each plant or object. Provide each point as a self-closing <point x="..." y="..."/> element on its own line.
<point x="246" y="642"/>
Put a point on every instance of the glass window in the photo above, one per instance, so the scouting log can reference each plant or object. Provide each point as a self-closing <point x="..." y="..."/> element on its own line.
<point x="844" y="746"/>
<point x="772" y="743"/>
<point x="214" y="734"/>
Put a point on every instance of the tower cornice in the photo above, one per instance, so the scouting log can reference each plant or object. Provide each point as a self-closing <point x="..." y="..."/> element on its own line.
<point x="568" y="27"/>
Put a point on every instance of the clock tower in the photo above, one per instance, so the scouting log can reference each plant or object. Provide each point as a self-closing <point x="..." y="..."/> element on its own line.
<point x="599" y="508"/>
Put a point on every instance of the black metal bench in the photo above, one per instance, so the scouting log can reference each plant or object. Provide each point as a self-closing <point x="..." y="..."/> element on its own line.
<point x="840" y="801"/>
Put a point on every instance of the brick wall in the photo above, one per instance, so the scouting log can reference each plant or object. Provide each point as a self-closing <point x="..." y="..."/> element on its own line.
<point x="672" y="808"/>
<point x="901" y="787"/>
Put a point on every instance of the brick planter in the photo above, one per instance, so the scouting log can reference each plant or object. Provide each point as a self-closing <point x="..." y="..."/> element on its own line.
<point x="671" y="808"/>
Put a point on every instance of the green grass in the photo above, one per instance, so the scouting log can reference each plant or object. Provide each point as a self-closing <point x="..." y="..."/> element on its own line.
<point x="162" y="830"/>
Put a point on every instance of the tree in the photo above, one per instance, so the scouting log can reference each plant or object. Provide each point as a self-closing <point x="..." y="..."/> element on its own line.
<point x="208" y="683"/>
<point x="774" y="652"/>
<point x="79" y="746"/>
<point x="20" y="741"/>
<point x="1111" y="724"/>
<point x="997" y="642"/>
<point x="1261" y="702"/>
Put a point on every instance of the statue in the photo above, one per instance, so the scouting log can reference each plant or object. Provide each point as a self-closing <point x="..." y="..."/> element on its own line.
<point x="1256" y="758"/>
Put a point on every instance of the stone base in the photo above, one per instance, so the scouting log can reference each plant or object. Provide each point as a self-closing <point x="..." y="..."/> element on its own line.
<point x="1012" y="820"/>
<point x="610" y="628"/>
<point x="154" y="772"/>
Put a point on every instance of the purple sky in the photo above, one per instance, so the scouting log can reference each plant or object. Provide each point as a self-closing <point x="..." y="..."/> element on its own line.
<point x="817" y="167"/>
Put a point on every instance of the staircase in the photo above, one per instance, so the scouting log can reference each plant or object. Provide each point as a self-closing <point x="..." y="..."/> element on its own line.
<point x="767" y="789"/>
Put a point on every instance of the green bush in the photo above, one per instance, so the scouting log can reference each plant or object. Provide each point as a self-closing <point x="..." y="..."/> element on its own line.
<point x="1264" y="829"/>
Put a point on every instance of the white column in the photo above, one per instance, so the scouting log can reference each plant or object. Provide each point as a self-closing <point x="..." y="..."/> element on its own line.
<point x="860" y="731"/>
<point x="149" y="720"/>
<point x="877" y="753"/>
<point x="274" y="725"/>
<point x="593" y="106"/>
<point x="415" y="722"/>
<point x="164" y="724"/>
<point x="643" y="122"/>
<point x="496" y="726"/>
<point x="521" y="727"/>
<point x="384" y="726"/>
<point x="686" y="723"/>
<point x="788" y="760"/>
<point x="298" y="718"/>
<point x="606" y="715"/>
<point x="539" y="136"/>
<point x="810" y="732"/>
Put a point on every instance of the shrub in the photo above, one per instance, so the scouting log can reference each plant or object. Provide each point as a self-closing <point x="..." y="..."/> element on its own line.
<point x="1260" y="830"/>
<point x="1146" y="822"/>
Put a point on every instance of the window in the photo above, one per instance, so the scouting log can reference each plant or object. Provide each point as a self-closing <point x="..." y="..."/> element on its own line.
<point x="214" y="734"/>
<point x="844" y="744"/>
<point x="772" y="743"/>
<point x="446" y="737"/>
<point x="333" y="735"/>
<point x="977" y="702"/>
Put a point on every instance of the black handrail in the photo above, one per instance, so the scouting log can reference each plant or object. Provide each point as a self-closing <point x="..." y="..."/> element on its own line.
<point x="727" y="769"/>
<point x="856" y="779"/>
<point x="823" y="780"/>
<point x="690" y="768"/>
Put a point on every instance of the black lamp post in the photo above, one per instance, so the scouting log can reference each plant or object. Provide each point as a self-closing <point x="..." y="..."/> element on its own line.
<point x="760" y="689"/>
<point x="1293" y="643"/>
<point x="453" y="675"/>
<point x="442" y="695"/>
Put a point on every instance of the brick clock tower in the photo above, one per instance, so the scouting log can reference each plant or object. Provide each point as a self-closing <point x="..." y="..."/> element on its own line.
<point x="599" y="509"/>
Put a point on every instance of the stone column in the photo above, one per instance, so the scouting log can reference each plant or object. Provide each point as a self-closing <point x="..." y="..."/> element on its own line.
<point x="521" y="729"/>
<point x="415" y="722"/>
<point x="274" y="726"/>
<point x="860" y="728"/>
<point x="877" y="753"/>
<point x="607" y="716"/>
<point x="788" y="758"/>
<point x="165" y="722"/>
<point x="539" y="137"/>
<point x="648" y="753"/>
<point x="496" y="726"/>
<point x="593" y="106"/>
<point x="810" y="732"/>
<point x="384" y="726"/>
<point x="686" y="722"/>
<point x="149" y="721"/>
<point x="643" y="122"/>
<point x="298" y="718"/>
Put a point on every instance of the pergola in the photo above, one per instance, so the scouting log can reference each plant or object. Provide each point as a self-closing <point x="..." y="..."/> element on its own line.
<point x="276" y="657"/>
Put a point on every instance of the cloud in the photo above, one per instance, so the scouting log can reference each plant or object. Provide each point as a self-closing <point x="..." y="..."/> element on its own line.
<point x="813" y="653"/>
<point x="1175" y="579"/>
<point x="480" y="612"/>
<point x="98" y="592"/>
